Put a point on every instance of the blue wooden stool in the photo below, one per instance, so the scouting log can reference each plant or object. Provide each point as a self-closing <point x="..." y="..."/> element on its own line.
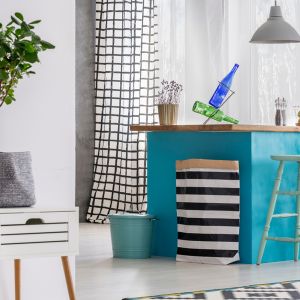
<point x="265" y="237"/>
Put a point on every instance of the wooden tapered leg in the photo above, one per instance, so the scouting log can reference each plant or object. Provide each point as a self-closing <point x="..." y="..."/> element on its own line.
<point x="17" y="279"/>
<point x="68" y="275"/>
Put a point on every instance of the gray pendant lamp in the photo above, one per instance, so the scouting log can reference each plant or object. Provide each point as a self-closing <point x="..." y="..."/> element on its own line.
<point x="275" y="30"/>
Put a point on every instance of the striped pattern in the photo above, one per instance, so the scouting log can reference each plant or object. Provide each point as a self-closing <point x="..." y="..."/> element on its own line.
<point x="208" y="211"/>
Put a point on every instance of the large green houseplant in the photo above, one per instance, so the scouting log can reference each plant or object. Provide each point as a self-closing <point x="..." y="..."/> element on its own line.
<point x="19" y="51"/>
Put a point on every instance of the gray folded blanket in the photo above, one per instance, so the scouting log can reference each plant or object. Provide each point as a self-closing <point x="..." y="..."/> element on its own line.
<point x="16" y="180"/>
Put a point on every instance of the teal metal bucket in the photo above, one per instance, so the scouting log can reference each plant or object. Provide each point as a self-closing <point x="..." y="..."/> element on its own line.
<point x="131" y="235"/>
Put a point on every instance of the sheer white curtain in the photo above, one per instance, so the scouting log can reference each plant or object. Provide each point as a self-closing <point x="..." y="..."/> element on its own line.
<point x="275" y="68"/>
<point x="212" y="35"/>
<point x="267" y="71"/>
<point x="171" y="28"/>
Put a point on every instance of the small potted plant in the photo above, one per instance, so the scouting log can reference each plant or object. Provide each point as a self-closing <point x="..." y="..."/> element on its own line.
<point x="168" y="102"/>
<point x="19" y="49"/>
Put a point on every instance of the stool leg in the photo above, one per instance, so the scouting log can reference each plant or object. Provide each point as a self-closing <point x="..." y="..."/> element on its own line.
<point x="68" y="276"/>
<point x="297" y="231"/>
<point x="270" y="213"/>
<point x="17" y="279"/>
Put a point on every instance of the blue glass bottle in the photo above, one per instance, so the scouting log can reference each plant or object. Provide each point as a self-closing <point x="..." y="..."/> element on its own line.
<point x="223" y="88"/>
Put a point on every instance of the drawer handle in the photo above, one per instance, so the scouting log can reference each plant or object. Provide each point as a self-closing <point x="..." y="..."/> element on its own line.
<point x="34" y="221"/>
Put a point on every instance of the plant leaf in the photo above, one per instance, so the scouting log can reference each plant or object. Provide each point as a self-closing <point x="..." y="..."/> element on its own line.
<point x="47" y="45"/>
<point x="3" y="74"/>
<point x="8" y="100"/>
<point x="31" y="57"/>
<point x="24" y="67"/>
<point x="35" y="22"/>
<point x="19" y="31"/>
<point x="19" y="16"/>
<point x="14" y="20"/>
<point x="30" y="48"/>
<point x="3" y="63"/>
<point x="25" y="26"/>
<point x="36" y="38"/>
<point x="11" y="93"/>
<point x="2" y="52"/>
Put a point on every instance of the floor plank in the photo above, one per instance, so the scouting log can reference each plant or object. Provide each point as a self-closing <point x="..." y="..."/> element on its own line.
<point x="100" y="277"/>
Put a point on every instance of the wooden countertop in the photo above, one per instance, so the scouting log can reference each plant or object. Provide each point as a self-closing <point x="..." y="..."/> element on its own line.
<point x="216" y="127"/>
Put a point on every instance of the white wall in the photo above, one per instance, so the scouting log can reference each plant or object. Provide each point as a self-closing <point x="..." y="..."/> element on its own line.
<point x="43" y="121"/>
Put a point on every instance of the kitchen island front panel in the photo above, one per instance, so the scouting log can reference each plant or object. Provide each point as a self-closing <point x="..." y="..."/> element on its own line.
<point x="257" y="175"/>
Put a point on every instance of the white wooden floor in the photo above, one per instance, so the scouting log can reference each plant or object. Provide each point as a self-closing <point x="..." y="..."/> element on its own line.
<point x="100" y="277"/>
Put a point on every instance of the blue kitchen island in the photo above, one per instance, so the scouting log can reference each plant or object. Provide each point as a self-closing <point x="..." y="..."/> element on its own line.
<point x="252" y="146"/>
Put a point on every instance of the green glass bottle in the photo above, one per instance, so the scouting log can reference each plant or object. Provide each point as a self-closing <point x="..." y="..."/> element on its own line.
<point x="211" y="112"/>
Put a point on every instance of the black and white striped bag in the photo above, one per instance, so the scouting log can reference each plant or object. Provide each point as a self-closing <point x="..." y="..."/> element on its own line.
<point x="208" y="211"/>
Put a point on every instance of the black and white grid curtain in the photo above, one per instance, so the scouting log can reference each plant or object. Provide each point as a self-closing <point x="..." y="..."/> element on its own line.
<point x="126" y="75"/>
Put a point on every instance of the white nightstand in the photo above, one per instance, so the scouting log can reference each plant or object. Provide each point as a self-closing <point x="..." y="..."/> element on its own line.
<point x="35" y="232"/>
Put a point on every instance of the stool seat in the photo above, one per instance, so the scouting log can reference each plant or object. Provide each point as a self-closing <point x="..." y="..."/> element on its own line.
<point x="286" y="157"/>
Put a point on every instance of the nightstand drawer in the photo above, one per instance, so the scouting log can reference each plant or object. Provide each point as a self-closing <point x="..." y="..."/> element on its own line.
<point x="27" y="218"/>
<point x="39" y="233"/>
<point x="12" y="239"/>
<point x="43" y="228"/>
